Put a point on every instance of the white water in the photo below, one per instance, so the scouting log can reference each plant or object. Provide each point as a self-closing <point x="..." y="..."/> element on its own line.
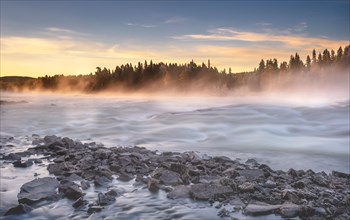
<point x="283" y="134"/>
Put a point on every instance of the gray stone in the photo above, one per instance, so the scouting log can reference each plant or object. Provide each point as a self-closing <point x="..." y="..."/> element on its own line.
<point x="79" y="202"/>
<point x="105" y="199"/>
<point x="57" y="168"/>
<point x="289" y="210"/>
<point x="168" y="177"/>
<point x="152" y="184"/>
<point x="37" y="190"/>
<point x="247" y="187"/>
<point x="19" y="163"/>
<point x="260" y="209"/>
<point x="251" y="174"/>
<point x="179" y="192"/>
<point x="19" y="209"/>
<point x="270" y="184"/>
<point x="73" y="192"/>
<point x="101" y="181"/>
<point x="209" y="191"/>
<point x="95" y="208"/>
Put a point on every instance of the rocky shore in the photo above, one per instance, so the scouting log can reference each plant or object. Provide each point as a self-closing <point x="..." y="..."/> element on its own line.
<point x="252" y="188"/>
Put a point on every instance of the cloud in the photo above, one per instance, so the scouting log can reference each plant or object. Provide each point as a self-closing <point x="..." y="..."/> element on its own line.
<point x="63" y="31"/>
<point x="141" y="25"/>
<point x="295" y="42"/>
<point x="174" y="20"/>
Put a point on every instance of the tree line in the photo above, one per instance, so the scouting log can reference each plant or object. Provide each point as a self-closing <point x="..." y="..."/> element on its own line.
<point x="149" y="76"/>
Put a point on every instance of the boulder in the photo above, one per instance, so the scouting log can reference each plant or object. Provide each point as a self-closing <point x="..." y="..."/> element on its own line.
<point x="289" y="210"/>
<point x="19" y="209"/>
<point x="209" y="191"/>
<point x="179" y="192"/>
<point x="251" y="174"/>
<point x="105" y="199"/>
<point x="57" y="168"/>
<point x="19" y="163"/>
<point x="247" y="187"/>
<point x="101" y="181"/>
<point x="37" y="190"/>
<point x="169" y="177"/>
<point x="79" y="202"/>
<point x="152" y="184"/>
<point x="260" y="209"/>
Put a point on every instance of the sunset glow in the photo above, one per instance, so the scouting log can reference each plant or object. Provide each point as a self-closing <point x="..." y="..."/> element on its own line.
<point x="35" y="46"/>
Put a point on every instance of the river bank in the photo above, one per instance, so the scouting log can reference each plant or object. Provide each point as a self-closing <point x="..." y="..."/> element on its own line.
<point x="91" y="180"/>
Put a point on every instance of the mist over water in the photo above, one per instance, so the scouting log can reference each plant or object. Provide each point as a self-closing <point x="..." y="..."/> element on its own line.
<point x="300" y="130"/>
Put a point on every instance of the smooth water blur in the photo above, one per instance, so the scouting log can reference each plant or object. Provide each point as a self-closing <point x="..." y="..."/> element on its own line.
<point x="282" y="133"/>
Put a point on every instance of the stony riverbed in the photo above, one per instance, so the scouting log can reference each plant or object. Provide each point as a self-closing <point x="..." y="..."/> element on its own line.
<point x="231" y="186"/>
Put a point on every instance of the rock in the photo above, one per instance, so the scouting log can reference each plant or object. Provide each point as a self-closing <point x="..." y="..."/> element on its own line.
<point x="341" y="175"/>
<point x="72" y="191"/>
<point x="123" y="176"/>
<point x="101" y="181"/>
<point x="260" y="209"/>
<point x="320" y="180"/>
<point x="179" y="192"/>
<point x="19" y="163"/>
<point x="209" y="191"/>
<point x="222" y="159"/>
<point x="105" y="199"/>
<point x="290" y="195"/>
<point x="57" y="168"/>
<point x="289" y="210"/>
<point x="153" y="184"/>
<point x="247" y="187"/>
<point x="252" y="174"/>
<point x="299" y="185"/>
<point x="84" y="185"/>
<point x="19" y="209"/>
<point x="270" y="184"/>
<point x="95" y="208"/>
<point x="37" y="190"/>
<point x="224" y="213"/>
<point x="79" y="202"/>
<point x="168" y="177"/>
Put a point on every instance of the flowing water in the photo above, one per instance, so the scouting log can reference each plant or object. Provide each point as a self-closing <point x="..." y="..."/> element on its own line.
<point x="281" y="133"/>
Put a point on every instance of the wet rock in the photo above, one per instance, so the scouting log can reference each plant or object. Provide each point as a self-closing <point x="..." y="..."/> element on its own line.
<point x="222" y="159"/>
<point x="94" y="208"/>
<point x="71" y="191"/>
<point x="168" y="177"/>
<point x="19" y="209"/>
<point x="153" y="184"/>
<point x="321" y="180"/>
<point x="209" y="191"/>
<point x="289" y="210"/>
<point x="79" y="203"/>
<point x="179" y="192"/>
<point x="19" y="163"/>
<point x="270" y="184"/>
<point x="247" y="187"/>
<point x="57" y="168"/>
<point x="101" y="181"/>
<point x="37" y="190"/>
<point x="252" y="174"/>
<point x="123" y="176"/>
<point x="260" y="209"/>
<point x="341" y="175"/>
<point x="299" y="185"/>
<point x="84" y="185"/>
<point x="224" y="213"/>
<point x="105" y="199"/>
<point x="290" y="195"/>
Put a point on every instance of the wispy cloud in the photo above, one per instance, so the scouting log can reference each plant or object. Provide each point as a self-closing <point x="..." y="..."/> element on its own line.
<point x="63" y="31"/>
<point x="141" y="25"/>
<point x="288" y="40"/>
<point x="174" y="20"/>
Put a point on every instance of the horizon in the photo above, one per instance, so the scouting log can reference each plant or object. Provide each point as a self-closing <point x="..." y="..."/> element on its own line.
<point x="41" y="38"/>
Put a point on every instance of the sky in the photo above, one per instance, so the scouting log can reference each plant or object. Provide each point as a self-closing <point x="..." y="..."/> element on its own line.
<point x="74" y="37"/>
